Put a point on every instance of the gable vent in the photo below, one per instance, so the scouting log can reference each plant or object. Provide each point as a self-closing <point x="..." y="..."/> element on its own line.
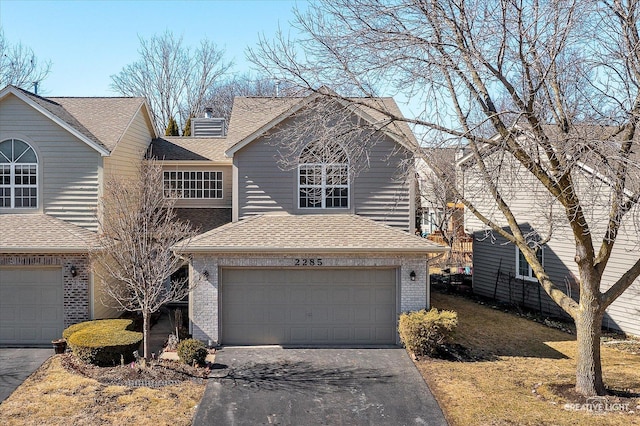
<point x="208" y="127"/>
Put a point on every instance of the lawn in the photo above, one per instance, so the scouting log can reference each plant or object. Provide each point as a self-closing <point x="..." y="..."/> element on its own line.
<point x="525" y="375"/>
<point x="55" y="395"/>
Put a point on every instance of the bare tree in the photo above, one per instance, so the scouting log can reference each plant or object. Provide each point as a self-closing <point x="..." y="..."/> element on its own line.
<point x="220" y="96"/>
<point x="565" y="71"/>
<point x="20" y="66"/>
<point x="174" y="78"/>
<point x="135" y="256"/>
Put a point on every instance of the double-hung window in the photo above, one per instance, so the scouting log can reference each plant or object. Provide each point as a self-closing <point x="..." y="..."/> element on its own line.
<point x="323" y="178"/>
<point x="18" y="175"/>
<point x="193" y="184"/>
<point x="523" y="270"/>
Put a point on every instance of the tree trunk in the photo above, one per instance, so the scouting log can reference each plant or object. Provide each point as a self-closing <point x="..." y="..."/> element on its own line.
<point x="145" y="334"/>
<point x="589" y="367"/>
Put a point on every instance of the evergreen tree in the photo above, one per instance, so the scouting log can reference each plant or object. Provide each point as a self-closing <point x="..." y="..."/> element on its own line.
<point x="187" y="128"/>
<point x="172" y="128"/>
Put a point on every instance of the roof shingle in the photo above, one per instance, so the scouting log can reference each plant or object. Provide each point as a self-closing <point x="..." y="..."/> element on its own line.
<point x="309" y="233"/>
<point x="41" y="233"/>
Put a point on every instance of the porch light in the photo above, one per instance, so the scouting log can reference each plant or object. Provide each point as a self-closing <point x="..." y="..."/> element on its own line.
<point x="412" y="275"/>
<point x="73" y="271"/>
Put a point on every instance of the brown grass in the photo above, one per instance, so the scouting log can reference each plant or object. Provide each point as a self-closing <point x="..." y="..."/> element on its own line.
<point x="528" y="375"/>
<point x="52" y="395"/>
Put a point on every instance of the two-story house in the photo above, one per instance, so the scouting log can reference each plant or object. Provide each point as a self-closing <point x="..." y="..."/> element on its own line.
<point x="305" y="255"/>
<point x="55" y="154"/>
<point x="311" y="256"/>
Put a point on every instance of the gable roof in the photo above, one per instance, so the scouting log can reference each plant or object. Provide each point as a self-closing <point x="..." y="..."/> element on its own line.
<point x="100" y="122"/>
<point x="41" y="233"/>
<point x="321" y="233"/>
<point x="251" y="117"/>
<point x="176" y="148"/>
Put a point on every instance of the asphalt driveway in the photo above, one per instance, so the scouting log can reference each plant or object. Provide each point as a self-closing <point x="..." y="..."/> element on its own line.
<point x="18" y="364"/>
<point x="274" y="386"/>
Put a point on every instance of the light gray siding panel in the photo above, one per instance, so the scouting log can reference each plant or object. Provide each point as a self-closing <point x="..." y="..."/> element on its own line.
<point x="69" y="169"/>
<point x="379" y="192"/>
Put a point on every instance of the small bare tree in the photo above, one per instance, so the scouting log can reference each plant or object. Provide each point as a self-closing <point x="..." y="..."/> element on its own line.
<point x="567" y="72"/>
<point x="135" y="258"/>
<point x="20" y="66"/>
<point x="174" y="78"/>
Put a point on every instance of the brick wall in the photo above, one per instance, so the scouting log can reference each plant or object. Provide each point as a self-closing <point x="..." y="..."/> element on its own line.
<point x="76" y="291"/>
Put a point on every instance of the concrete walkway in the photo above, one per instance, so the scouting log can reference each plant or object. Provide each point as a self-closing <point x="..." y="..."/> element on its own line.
<point x="263" y="386"/>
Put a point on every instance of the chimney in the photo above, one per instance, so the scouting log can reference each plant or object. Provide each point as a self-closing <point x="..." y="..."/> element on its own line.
<point x="208" y="126"/>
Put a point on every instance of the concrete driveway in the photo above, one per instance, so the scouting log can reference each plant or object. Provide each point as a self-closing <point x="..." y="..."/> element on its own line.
<point x="274" y="386"/>
<point x="18" y="364"/>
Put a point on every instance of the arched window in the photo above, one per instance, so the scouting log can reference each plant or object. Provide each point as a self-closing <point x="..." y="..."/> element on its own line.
<point x="323" y="177"/>
<point x="18" y="175"/>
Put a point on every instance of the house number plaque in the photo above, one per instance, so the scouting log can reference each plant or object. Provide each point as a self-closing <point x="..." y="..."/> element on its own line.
<point x="307" y="261"/>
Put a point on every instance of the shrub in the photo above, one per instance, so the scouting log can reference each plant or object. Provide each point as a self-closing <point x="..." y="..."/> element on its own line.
<point x="192" y="350"/>
<point x="422" y="332"/>
<point x="103" y="342"/>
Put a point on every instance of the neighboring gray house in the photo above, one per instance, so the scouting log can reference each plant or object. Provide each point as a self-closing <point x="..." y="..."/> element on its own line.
<point x="55" y="154"/>
<point x="311" y="256"/>
<point x="501" y="272"/>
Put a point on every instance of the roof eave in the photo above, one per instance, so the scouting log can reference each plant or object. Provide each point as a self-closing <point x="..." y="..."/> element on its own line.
<point x="297" y="250"/>
<point x="104" y="152"/>
<point x="39" y="250"/>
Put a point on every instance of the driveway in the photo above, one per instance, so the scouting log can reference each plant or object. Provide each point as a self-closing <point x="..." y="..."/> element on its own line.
<point x="18" y="364"/>
<point x="265" y="386"/>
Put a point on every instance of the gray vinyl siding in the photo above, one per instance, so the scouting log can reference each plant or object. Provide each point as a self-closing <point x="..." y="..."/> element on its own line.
<point x="126" y="156"/>
<point x="493" y="256"/>
<point x="69" y="169"/>
<point x="379" y="192"/>
<point x="227" y="186"/>
<point x="527" y="201"/>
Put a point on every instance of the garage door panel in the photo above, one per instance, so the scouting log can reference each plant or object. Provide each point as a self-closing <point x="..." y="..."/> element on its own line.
<point x="31" y="305"/>
<point x="310" y="306"/>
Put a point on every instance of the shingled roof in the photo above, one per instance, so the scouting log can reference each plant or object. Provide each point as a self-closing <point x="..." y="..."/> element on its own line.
<point x="285" y="233"/>
<point x="255" y="115"/>
<point x="176" y="148"/>
<point x="41" y="233"/>
<point x="101" y="120"/>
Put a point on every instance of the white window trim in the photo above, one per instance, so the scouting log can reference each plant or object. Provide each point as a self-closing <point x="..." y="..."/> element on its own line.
<point x="531" y="276"/>
<point x="12" y="175"/>
<point x="183" y="171"/>
<point x="323" y="185"/>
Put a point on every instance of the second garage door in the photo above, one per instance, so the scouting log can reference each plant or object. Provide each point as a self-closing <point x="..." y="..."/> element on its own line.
<point x="31" y="309"/>
<point x="308" y="306"/>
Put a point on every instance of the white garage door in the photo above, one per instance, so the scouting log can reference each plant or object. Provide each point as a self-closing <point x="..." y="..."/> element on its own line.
<point x="308" y="306"/>
<point x="31" y="309"/>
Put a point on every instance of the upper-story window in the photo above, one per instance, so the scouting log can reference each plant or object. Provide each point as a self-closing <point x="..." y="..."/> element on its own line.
<point x="523" y="270"/>
<point x="192" y="184"/>
<point x="18" y="175"/>
<point x="323" y="177"/>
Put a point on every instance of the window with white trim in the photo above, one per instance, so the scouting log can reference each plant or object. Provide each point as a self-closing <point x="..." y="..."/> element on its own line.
<point x="18" y="175"/>
<point x="323" y="178"/>
<point x="193" y="184"/>
<point x="523" y="269"/>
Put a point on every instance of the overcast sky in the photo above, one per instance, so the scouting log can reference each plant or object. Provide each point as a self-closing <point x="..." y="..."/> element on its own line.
<point x="88" y="41"/>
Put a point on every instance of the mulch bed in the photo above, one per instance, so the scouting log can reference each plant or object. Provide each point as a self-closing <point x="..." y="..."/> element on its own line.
<point x="157" y="373"/>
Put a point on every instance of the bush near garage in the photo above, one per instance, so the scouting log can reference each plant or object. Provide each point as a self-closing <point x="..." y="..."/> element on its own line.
<point x="103" y="342"/>
<point x="423" y="332"/>
<point x="192" y="351"/>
